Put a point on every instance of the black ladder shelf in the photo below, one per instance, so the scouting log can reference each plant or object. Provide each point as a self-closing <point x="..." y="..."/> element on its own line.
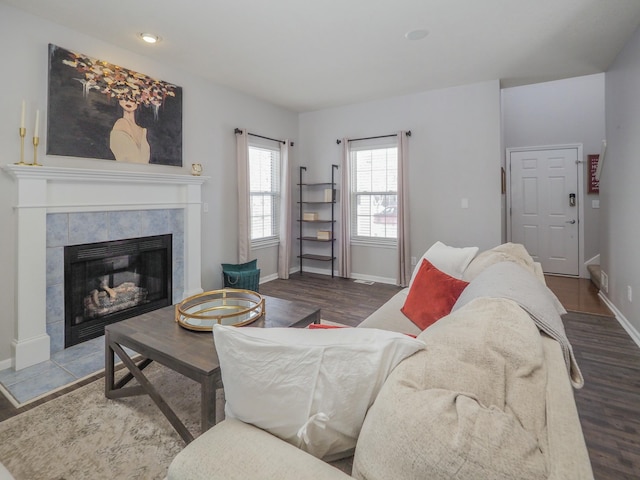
<point x="315" y="189"/>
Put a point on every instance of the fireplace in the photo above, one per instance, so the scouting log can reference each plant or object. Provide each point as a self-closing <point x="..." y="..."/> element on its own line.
<point x="57" y="206"/>
<point x="107" y="282"/>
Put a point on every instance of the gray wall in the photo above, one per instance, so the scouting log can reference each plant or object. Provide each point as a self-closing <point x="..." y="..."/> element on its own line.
<point x="454" y="153"/>
<point x="558" y="113"/>
<point x="210" y="113"/>
<point x="619" y="189"/>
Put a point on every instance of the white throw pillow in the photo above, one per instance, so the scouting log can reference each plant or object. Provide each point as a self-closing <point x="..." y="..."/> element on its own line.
<point x="311" y="388"/>
<point x="451" y="260"/>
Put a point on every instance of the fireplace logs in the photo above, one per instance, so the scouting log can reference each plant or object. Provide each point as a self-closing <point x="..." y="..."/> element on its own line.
<point x="111" y="300"/>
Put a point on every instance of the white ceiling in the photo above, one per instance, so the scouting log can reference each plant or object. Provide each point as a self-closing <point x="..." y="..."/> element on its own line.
<point x="306" y="55"/>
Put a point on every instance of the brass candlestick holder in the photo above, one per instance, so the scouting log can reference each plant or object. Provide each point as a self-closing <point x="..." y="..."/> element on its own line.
<point x="23" y="132"/>
<point x="36" y="141"/>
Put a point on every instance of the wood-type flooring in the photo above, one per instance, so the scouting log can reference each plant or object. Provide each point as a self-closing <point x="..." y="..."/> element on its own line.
<point x="609" y="403"/>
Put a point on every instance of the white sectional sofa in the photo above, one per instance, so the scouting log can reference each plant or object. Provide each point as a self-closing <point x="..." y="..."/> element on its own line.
<point x="489" y="397"/>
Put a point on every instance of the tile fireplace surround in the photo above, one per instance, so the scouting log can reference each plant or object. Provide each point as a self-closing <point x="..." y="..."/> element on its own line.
<point x="58" y="206"/>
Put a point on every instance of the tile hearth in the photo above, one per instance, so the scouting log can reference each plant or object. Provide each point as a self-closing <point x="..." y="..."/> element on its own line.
<point x="64" y="368"/>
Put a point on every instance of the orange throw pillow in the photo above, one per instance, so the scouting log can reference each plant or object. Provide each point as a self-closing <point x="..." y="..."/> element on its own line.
<point x="323" y="326"/>
<point x="431" y="296"/>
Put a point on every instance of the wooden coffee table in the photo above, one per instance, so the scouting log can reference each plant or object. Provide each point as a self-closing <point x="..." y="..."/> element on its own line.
<point x="158" y="338"/>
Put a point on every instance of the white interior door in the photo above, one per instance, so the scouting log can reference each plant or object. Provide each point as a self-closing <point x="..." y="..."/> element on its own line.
<point x="544" y="207"/>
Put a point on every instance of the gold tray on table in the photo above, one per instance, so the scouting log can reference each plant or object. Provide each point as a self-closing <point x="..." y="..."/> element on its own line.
<point x="228" y="306"/>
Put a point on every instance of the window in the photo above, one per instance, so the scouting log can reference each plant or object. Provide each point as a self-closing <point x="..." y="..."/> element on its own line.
<point x="264" y="188"/>
<point x="374" y="191"/>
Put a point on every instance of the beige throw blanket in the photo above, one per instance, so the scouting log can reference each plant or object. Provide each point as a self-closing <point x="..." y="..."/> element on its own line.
<point x="507" y="252"/>
<point x="510" y="280"/>
<point x="471" y="405"/>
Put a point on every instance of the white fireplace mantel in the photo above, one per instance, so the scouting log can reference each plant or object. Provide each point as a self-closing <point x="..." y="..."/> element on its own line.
<point x="44" y="189"/>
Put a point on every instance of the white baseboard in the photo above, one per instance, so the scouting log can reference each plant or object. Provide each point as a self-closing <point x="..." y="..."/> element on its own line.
<point x="371" y="278"/>
<point x="268" y="278"/>
<point x="5" y="364"/>
<point x="354" y="276"/>
<point x="593" y="261"/>
<point x="630" y="329"/>
<point x="274" y="276"/>
<point x="319" y="271"/>
<point x="324" y="271"/>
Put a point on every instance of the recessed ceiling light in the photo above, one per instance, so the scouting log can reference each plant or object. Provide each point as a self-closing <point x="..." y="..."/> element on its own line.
<point x="416" y="34"/>
<point x="149" y="37"/>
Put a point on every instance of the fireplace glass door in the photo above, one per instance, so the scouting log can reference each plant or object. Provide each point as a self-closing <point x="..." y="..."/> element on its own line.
<point x="110" y="281"/>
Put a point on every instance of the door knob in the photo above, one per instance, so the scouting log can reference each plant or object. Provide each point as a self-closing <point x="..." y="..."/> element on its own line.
<point x="570" y="221"/>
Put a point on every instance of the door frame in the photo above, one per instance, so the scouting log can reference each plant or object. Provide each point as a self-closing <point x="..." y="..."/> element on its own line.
<point x="582" y="268"/>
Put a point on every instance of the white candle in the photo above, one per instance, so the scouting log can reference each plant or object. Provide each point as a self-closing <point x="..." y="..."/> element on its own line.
<point x="35" y="131"/>
<point x="23" y="111"/>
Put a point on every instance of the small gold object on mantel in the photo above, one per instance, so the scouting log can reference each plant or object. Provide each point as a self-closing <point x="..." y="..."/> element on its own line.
<point x="36" y="142"/>
<point x="23" y="132"/>
<point x="228" y="306"/>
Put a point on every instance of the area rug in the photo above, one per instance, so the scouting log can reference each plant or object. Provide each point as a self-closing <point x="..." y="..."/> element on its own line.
<point x="84" y="435"/>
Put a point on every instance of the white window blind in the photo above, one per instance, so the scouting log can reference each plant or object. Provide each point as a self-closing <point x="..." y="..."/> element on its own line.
<point x="374" y="193"/>
<point x="264" y="188"/>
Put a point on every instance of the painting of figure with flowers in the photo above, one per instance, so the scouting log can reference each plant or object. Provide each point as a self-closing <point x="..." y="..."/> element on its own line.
<point x="103" y="111"/>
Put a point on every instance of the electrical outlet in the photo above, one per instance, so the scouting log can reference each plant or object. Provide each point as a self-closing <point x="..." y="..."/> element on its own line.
<point x="205" y="207"/>
<point x="413" y="261"/>
<point x="629" y="293"/>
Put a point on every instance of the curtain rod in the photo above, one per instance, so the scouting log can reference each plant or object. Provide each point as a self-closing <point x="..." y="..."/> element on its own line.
<point x="408" y="133"/>
<point x="238" y="130"/>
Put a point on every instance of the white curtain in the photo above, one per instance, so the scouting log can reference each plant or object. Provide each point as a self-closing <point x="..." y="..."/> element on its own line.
<point x="404" y="251"/>
<point x="284" y="248"/>
<point x="344" y="252"/>
<point x="244" y="210"/>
